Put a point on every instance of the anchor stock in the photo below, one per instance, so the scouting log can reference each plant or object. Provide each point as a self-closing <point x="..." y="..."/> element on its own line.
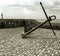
<point x="48" y="18"/>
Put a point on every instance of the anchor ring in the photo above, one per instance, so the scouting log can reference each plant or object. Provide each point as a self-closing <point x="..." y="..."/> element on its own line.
<point x="53" y="17"/>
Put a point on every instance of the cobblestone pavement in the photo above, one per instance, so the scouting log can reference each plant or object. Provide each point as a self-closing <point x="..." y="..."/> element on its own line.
<point x="40" y="43"/>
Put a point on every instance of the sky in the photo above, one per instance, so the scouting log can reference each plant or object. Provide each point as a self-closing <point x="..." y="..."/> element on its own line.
<point x="29" y="9"/>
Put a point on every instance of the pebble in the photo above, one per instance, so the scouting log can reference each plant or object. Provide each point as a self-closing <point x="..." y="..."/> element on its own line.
<point x="15" y="45"/>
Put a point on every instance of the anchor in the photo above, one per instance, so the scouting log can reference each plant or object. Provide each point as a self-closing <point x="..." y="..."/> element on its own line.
<point x="49" y="18"/>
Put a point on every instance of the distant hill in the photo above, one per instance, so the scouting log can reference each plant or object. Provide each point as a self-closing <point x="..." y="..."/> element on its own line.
<point x="9" y="23"/>
<point x="55" y="23"/>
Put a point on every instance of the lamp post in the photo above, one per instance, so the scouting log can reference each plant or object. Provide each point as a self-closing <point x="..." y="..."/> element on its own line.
<point x="1" y="15"/>
<point x="2" y="23"/>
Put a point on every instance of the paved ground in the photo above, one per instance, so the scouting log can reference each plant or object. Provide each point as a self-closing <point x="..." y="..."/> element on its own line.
<point x="40" y="43"/>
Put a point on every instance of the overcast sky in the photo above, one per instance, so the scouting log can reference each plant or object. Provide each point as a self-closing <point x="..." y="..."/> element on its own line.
<point x="29" y="9"/>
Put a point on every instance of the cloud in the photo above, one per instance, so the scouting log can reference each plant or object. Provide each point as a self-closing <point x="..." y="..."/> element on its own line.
<point x="7" y="2"/>
<point x="28" y="8"/>
<point x="52" y="4"/>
